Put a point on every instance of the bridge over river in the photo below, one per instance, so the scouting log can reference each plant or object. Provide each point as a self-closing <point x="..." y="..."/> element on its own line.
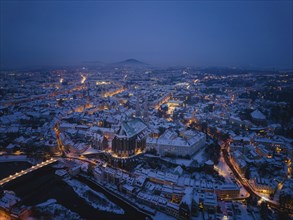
<point x="24" y="172"/>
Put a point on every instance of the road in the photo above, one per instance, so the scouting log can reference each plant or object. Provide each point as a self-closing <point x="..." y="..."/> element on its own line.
<point x="245" y="183"/>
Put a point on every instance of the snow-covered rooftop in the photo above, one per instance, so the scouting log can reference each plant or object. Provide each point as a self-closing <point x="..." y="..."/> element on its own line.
<point x="258" y="115"/>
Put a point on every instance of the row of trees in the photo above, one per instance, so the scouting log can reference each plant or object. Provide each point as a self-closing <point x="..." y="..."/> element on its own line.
<point x="213" y="152"/>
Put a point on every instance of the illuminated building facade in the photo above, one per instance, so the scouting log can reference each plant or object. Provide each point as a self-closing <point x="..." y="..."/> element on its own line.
<point x="130" y="138"/>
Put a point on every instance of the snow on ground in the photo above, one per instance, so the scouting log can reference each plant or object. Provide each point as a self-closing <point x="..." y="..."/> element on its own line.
<point x="178" y="161"/>
<point x="95" y="199"/>
<point x="243" y="191"/>
<point x="225" y="171"/>
<point x="184" y="162"/>
<point x="48" y="202"/>
<point x="162" y="216"/>
<point x="199" y="157"/>
<point x="51" y="210"/>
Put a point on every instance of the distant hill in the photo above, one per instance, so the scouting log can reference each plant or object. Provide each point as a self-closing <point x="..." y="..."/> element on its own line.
<point x="131" y="62"/>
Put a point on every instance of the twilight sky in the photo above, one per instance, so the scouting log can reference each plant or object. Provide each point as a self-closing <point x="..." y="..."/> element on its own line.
<point x="257" y="33"/>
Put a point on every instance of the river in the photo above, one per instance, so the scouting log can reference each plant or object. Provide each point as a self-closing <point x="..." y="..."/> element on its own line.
<point x="10" y="168"/>
<point x="43" y="184"/>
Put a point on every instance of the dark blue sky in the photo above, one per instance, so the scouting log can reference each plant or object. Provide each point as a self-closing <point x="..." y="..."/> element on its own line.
<point x="257" y="33"/>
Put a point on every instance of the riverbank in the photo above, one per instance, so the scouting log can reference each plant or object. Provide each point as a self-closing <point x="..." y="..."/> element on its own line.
<point x="95" y="199"/>
<point x="119" y="199"/>
<point x="40" y="186"/>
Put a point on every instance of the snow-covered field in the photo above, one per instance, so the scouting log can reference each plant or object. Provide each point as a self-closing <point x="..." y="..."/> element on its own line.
<point x="178" y="161"/>
<point x="95" y="199"/>
<point x="51" y="210"/>
<point x="199" y="157"/>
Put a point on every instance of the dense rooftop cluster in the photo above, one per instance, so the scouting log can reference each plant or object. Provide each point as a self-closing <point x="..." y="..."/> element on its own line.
<point x="173" y="140"/>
